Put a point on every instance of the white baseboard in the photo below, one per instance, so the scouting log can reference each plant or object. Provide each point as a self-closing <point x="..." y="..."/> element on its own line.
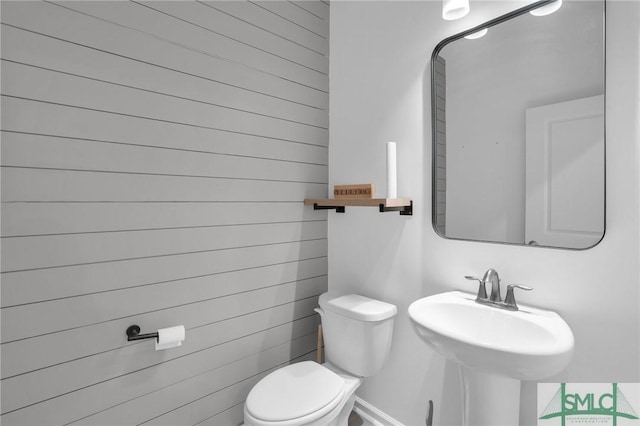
<point x="372" y="415"/>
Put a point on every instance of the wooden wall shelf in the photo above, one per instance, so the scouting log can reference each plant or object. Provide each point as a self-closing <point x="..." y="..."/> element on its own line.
<point x="402" y="205"/>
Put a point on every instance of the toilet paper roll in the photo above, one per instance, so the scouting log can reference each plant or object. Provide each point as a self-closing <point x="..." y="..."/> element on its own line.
<point x="170" y="337"/>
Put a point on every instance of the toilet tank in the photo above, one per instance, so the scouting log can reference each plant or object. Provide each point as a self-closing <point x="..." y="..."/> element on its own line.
<point x="357" y="332"/>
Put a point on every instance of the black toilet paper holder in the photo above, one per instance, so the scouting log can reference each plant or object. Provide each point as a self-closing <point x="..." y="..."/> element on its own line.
<point x="133" y="333"/>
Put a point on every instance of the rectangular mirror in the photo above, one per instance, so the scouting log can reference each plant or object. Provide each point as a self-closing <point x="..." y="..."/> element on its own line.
<point x="518" y="128"/>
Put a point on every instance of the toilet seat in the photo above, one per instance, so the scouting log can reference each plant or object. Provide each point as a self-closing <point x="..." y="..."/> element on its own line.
<point x="296" y="394"/>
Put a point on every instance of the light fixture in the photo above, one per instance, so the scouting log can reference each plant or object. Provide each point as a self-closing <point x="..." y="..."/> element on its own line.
<point x="477" y="34"/>
<point x="547" y="9"/>
<point x="454" y="9"/>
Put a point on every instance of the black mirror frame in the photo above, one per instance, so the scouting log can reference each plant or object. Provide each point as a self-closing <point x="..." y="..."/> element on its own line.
<point x="434" y="55"/>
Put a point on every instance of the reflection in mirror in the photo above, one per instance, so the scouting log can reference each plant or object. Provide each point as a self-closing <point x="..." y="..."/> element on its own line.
<point x="518" y="118"/>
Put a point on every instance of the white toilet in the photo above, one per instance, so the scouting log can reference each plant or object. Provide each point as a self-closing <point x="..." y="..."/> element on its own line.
<point x="357" y="332"/>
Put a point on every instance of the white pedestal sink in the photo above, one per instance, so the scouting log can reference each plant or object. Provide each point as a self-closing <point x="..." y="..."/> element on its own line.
<point x="495" y="348"/>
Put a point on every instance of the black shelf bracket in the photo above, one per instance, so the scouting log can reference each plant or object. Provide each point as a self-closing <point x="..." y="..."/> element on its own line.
<point x="338" y="209"/>
<point x="404" y="210"/>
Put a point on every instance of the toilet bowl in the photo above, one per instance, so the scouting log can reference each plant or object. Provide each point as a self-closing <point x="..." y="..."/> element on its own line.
<point x="357" y="332"/>
<point x="305" y="393"/>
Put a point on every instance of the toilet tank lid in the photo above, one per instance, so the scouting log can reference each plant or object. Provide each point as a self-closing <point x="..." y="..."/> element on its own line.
<point x="358" y="307"/>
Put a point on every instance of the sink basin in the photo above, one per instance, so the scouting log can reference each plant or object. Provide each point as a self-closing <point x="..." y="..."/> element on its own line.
<point x="529" y="344"/>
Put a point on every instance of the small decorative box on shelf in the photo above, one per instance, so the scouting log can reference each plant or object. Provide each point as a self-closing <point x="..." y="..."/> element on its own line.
<point x="402" y="205"/>
<point x="363" y="190"/>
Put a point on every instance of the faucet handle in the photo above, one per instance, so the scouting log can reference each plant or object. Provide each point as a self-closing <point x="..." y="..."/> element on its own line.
<point x="482" y="290"/>
<point x="510" y="299"/>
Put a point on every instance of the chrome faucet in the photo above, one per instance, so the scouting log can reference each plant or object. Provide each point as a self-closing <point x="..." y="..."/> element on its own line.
<point x="491" y="276"/>
<point x="495" y="299"/>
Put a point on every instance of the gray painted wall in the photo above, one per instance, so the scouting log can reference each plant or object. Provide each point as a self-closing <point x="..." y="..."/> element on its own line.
<point x="154" y="161"/>
<point x="596" y="291"/>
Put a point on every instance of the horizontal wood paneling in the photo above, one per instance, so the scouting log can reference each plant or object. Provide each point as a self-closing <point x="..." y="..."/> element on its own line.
<point x="275" y="24"/>
<point x="293" y="12"/>
<point x="171" y="29"/>
<point x="316" y="8"/>
<point x="59" y="55"/>
<point x="155" y="156"/>
<point x="228" y="373"/>
<point x="66" y="314"/>
<point x="78" y="123"/>
<point x="63" y="89"/>
<point x="226" y="417"/>
<point x="63" y="250"/>
<point x="75" y="344"/>
<point x="79" y="185"/>
<point x="224" y="364"/>
<point x="38" y="285"/>
<point x="60" y="22"/>
<point x="209" y="18"/>
<point x="25" y="219"/>
<point x="76" y="154"/>
<point x="94" y="368"/>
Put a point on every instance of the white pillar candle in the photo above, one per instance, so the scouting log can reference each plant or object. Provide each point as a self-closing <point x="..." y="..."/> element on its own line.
<point x="392" y="174"/>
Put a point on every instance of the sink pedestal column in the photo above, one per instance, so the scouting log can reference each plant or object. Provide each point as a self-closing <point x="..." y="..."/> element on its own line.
<point x="489" y="399"/>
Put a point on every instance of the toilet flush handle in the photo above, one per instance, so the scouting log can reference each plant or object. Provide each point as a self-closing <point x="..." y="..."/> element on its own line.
<point x="320" y="311"/>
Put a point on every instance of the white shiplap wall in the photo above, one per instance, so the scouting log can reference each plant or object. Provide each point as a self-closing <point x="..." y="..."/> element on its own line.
<point x="155" y="156"/>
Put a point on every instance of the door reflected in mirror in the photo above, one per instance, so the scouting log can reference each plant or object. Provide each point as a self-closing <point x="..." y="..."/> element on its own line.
<point x="518" y="136"/>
